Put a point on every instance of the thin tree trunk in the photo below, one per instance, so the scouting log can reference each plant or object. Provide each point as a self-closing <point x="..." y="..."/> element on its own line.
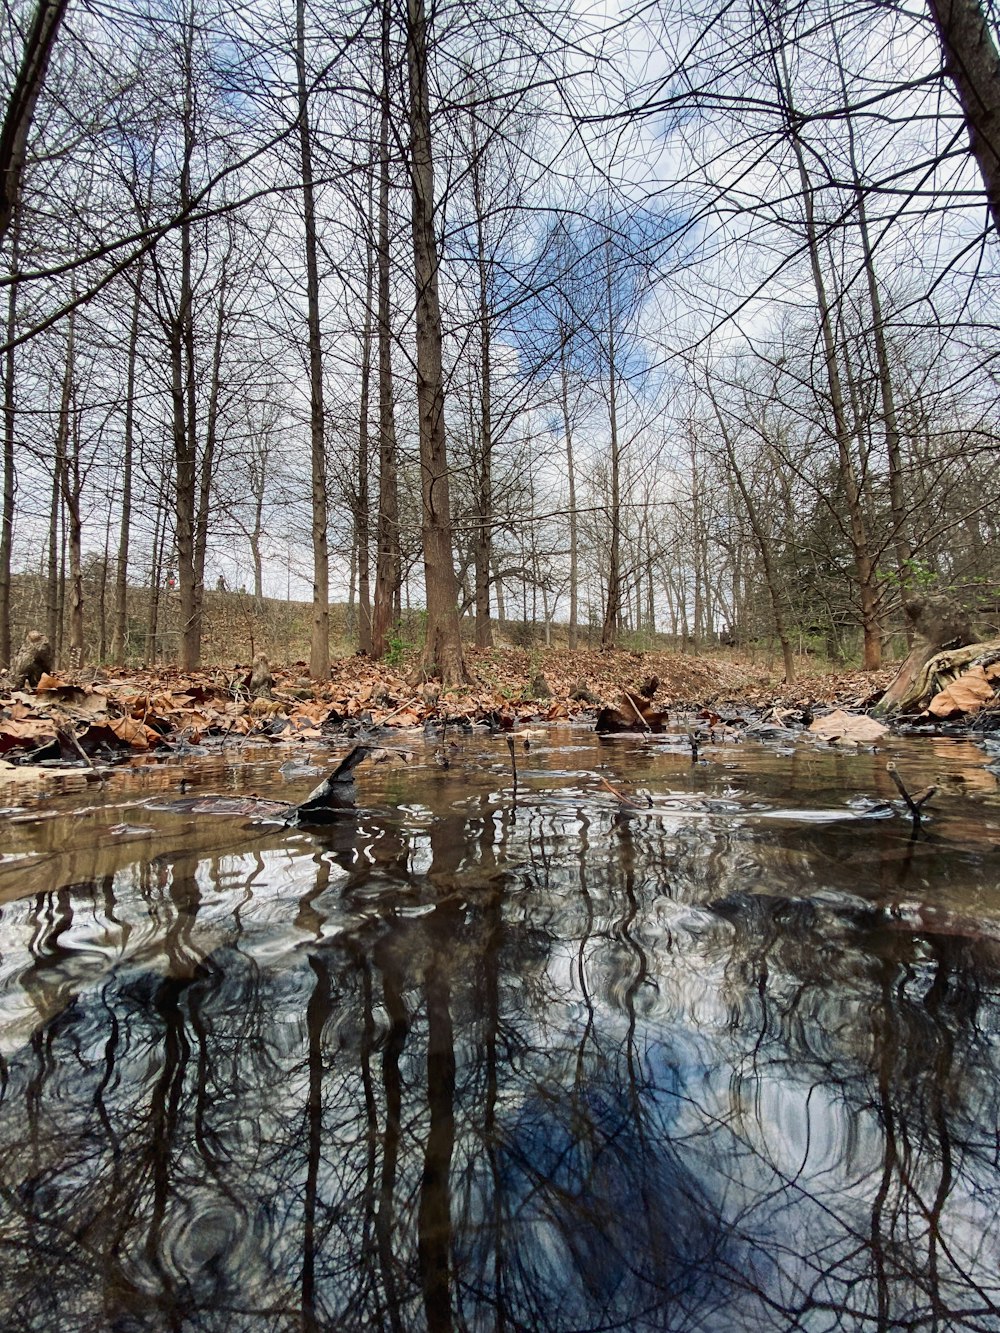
<point x="60" y="490"/>
<point x="362" y="528"/>
<point x="442" y="655"/>
<point x="183" y="392"/>
<point x="52" y="559"/>
<point x="613" y="606"/>
<point x="319" y="651"/>
<point x="255" y="551"/>
<point x="102" y="599"/>
<point x="72" y="488"/>
<point x="574" y="559"/>
<point x="857" y="527"/>
<point x="388" y="564"/>
<point x="482" y="549"/>
<point x="155" y="577"/>
<point x="206" y="473"/>
<point x="119" y="632"/>
<point x="764" y="546"/>
<point x="9" y="467"/>
<point x="890" y="421"/>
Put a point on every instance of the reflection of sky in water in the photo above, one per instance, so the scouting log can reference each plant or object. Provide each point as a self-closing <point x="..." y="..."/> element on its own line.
<point x="560" y="1070"/>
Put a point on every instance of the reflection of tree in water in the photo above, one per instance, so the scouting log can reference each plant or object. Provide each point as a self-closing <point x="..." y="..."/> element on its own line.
<point x="489" y="1074"/>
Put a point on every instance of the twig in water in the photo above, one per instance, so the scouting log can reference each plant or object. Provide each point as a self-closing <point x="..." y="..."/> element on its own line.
<point x="915" y="807"/>
<point x="401" y="709"/>
<point x="513" y="761"/>
<point x="626" y="800"/>
<point x="637" y="710"/>
<point x="65" y="734"/>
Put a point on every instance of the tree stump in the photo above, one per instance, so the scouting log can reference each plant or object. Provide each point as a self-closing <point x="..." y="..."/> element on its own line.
<point x="938" y="624"/>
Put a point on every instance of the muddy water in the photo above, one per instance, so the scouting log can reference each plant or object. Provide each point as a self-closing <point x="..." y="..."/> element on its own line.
<point x="723" y="1056"/>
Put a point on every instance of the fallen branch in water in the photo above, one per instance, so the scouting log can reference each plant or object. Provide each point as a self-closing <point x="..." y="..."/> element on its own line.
<point x="333" y="795"/>
<point x="513" y="761"/>
<point x="915" y="806"/>
<point x="626" y="800"/>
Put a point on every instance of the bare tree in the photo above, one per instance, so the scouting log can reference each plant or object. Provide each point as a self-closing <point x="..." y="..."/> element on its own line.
<point x="442" y="653"/>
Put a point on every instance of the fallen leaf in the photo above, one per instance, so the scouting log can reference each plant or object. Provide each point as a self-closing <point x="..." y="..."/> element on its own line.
<point x="854" y="728"/>
<point x="967" y="694"/>
<point x="26" y="735"/>
<point x="131" y="732"/>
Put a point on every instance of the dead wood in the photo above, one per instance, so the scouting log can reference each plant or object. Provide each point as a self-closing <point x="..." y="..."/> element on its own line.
<point x="939" y="672"/>
<point x="32" y="662"/>
<point x="259" y="682"/>
<point x="938" y="624"/>
<point x="635" y="714"/>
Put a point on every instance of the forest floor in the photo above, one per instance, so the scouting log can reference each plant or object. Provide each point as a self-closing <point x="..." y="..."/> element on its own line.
<point x="105" y="714"/>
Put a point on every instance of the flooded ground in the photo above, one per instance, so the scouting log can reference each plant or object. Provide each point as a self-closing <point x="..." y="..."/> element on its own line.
<point x="724" y="1055"/>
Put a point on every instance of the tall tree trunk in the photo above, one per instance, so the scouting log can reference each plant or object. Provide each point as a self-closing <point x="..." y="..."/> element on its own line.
<point x="9" y="468"/>
<point x="574" y="557"/>
<point x="972" y="63"/>
<point x="483" y="545"/>
<point x="53" y="627"/>
<point x="21" y="103"/>
<point x="442" y="655"/>
<point x="319" y="650"/>
<point x="206" y="472"/>
<point x="362" y="527"/>
<point x="119" y="632"/>
<point x="255" y="551"/>
<point x="890" y="419"/>
<point x="72" y="491"/>
<point x="156" y="575"/>
<point x="183" y="391"/>
<point x="613" y="606"/>
<point x="388" y="565"/>
<point x="765" y="547"/>
<point x="861" y="550"/>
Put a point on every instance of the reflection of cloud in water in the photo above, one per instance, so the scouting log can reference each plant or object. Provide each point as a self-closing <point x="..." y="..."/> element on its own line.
<point x="573" y="1072"/>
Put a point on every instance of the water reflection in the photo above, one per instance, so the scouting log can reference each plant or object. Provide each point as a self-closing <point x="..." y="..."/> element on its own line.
<point x="448" y="1067"/>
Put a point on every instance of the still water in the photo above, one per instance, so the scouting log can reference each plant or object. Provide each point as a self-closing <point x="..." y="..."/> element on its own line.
<point x="727" y="1058"/>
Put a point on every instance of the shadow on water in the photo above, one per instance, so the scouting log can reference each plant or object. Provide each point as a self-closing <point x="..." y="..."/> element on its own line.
<point x="726" y="1062"/>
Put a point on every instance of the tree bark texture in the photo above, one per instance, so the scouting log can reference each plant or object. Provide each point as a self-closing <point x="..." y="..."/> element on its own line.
<point x="21" y="104"/>
<point x="119" y="631"/>
<point x="972" y="63"/>
<point x="9" y="464"/>
<point x="442" y="655"/>
<point x="861" y="550"/>
<point x="388" y="564"/>
<point x="319" y="651"/>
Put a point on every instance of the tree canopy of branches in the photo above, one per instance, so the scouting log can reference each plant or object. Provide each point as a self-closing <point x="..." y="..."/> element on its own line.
<point x="678" y="323"/>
